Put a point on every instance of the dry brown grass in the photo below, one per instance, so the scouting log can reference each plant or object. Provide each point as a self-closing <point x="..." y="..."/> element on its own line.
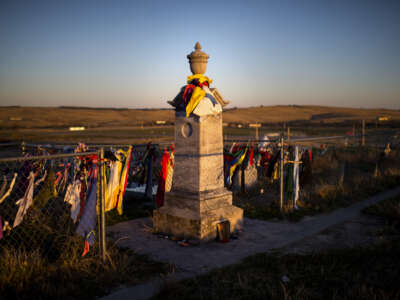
<point x="327" y="192"/>
<point x="275" y="114"/>
<point x="30" y="275"/>
<point x="47" y="117"/>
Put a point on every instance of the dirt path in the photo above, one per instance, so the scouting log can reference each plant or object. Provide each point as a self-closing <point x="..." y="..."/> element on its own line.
<point x="312" y="233"/>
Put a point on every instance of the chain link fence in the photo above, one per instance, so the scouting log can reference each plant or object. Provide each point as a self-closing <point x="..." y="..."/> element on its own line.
<point x="313" y="174"/>
<point x="51" y="198"/>
<point x="49" y="201"/>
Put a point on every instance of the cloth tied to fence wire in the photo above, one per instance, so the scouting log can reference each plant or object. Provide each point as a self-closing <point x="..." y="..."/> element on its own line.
<point x="162" y="179"/>
<point x="124" y="179"/>
<point x="86" y="247"/>
<point x="46" y="191"/>
<point x="296" y="173"/>
<point x="87" y="222"/>
<point x="233" y="160"/>
<point x="82" y="196"/>
<point x="306" y="169"/>
<point x="72" y="197"/>
<point x="25" y="202"/>
<point x="251" y="157"/>
<point x="170" y="172"/>
<point x="115" y="185"/>
<point x="272" y="164"/>
<point x="6" y="194"/>
<point x="289" y="180"/>
<point x="165" y="175"/>
<point x="111" y="192"/>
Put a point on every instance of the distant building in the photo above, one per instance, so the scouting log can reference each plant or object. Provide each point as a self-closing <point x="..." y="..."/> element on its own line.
<point x="77" y="128"/>
<point x="383" y="118"/>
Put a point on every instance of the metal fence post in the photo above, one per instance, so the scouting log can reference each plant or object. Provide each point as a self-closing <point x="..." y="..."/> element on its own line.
<point x="23" y="148"/>
<point x="98" y="197"/>
<point x="282" y="161"/>
<point x="102" y="206"/>
<point x="363" y="133"/>
<point x="257" y="137"/>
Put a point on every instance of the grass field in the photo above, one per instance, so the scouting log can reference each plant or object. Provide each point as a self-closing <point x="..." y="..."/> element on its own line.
<point x="129" y="126"/>
<point x="48" y="117"/>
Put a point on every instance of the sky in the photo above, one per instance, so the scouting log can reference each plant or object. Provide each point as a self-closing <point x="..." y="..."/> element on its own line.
<point x="132" y="54"/>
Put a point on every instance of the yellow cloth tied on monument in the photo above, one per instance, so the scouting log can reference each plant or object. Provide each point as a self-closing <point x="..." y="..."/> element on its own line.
<point x="197" y="95"/>
<point x="200" y="77"/>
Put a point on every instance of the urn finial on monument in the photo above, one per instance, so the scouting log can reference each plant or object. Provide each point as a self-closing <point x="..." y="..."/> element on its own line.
<point x="198" y="60"/>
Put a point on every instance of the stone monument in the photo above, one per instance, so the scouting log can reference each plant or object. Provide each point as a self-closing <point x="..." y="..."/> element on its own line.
<point x="198" y="200"/>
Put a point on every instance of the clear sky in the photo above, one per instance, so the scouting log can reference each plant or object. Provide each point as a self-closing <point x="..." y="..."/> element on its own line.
<point x="133" y="53"/>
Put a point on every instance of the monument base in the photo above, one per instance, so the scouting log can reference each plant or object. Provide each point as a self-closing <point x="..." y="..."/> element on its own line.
<point x="196" y="216"/>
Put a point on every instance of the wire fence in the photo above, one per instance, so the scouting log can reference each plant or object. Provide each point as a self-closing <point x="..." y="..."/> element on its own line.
<point x="318" y="173"/>
<point x="47" y="201"/>
<point x="50" y="197"/>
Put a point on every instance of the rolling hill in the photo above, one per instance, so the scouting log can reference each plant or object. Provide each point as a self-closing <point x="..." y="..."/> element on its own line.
<point x="61" y="117"/>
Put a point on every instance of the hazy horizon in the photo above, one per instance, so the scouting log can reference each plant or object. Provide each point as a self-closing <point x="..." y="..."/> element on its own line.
<point x="128" y="54"/>
<point x="228" y="107"/>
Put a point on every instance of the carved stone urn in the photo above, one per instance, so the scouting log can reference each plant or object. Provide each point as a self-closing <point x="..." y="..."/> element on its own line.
<point x="198" y="60"/>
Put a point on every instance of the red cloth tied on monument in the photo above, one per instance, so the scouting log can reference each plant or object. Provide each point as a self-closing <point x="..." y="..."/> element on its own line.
<point x="188" y="92"/>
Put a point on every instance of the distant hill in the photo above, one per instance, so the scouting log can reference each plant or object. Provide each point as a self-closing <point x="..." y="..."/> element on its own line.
<point x="50" y="117"/>
<point x="278" y="113"/>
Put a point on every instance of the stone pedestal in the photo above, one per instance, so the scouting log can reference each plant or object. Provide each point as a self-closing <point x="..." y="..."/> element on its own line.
<point x="198" y="200"/>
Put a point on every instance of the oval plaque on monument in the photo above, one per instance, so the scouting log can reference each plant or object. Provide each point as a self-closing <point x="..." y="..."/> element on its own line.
<point x="186" y="130"/>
